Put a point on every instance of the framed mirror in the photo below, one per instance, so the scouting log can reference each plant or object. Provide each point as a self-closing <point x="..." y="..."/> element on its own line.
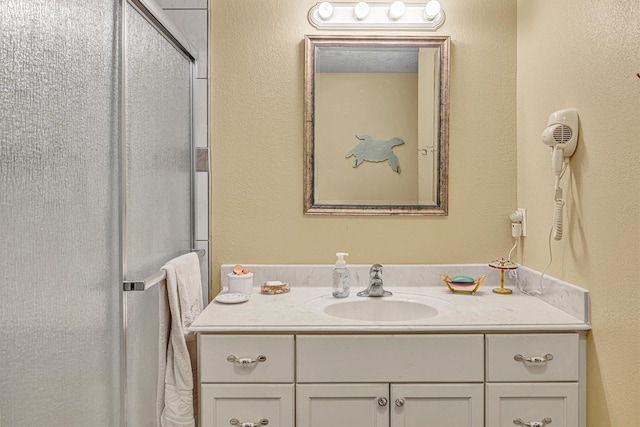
<point x="376" y="125"/>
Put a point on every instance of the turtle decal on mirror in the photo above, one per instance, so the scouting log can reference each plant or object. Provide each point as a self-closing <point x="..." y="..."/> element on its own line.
<point x="375" y="150"/>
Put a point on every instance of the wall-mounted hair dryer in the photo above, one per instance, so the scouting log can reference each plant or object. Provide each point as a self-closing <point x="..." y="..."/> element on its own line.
<point x="561" y="135"/>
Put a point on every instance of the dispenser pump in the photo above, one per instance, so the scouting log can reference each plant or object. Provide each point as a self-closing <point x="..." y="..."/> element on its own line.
<point x="340" y="261"/>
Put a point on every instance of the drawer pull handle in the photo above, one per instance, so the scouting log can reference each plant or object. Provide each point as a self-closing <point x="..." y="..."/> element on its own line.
<point x="520" y="422"/>
<point x="399" y="403"/>
<point x="235" y="422"/>
<point x="534" y="359"/>
<point x="382" y="401"/>
<point x="246" y="361"/>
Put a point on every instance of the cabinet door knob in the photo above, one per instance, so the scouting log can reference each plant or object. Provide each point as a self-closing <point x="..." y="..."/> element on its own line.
<point x="382" y="401"/>
<point x="399" y="403"/>
<point x="236" y="422"/>
<point x="246" y="361"/>
<point x="520" y="422"/>
<point x="533" y="359"/>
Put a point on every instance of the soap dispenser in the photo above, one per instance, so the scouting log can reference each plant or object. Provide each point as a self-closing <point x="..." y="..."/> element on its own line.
<point x="341" y="277"/>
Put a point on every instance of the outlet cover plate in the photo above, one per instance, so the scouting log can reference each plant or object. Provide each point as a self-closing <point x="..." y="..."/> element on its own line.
<point x="524" y="221"/>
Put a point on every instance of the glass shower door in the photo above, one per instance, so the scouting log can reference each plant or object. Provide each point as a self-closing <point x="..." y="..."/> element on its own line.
<point x="59" y="214"/>
<point x="158" y="219"/>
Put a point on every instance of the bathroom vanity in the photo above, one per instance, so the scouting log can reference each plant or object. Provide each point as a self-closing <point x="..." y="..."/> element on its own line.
<point x="423" y="356"/>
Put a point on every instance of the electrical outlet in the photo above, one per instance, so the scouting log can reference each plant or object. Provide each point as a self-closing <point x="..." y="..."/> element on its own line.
<point x="523" y="211"/>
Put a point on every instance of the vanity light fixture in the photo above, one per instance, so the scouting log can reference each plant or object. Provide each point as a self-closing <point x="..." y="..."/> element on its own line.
<point x="395" y="15"/>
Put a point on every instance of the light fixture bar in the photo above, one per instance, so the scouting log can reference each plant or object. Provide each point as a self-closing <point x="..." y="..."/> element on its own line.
<point x="349" y="16"/>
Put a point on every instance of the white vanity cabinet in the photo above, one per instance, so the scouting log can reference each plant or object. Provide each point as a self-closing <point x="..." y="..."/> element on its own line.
<point x="486" y="360"/>
<point x="392" y="380"/>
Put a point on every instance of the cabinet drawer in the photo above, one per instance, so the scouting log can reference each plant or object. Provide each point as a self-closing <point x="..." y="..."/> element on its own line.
<point x="389" y="358"/>
<point x="508" y="405"/>
<point x="556" y="357"/>
<point x="221" y="403"/>
<point x="216" y="350"/>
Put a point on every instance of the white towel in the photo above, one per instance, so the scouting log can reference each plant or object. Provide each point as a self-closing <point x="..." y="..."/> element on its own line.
<point x="180" y="302"/>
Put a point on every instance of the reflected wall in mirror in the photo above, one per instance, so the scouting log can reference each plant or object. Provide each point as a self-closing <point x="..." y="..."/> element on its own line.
<point x="376" y="125"/>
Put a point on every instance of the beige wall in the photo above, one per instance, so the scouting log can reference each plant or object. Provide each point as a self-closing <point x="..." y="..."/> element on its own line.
<point x="571" y="53"/>
<point x="256" y="138"/>
<point x="585" y="54"/>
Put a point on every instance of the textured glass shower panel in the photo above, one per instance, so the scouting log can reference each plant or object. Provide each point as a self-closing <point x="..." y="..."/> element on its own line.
<point x="158" y="193"/>
<point x="59" y="214"/>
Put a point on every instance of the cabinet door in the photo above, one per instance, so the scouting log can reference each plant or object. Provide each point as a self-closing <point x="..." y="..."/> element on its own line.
<point x="247" y="403"/>
<point x="336" y="405"/>
<point x="437" y="405"/>
<point x="519" y="403"/>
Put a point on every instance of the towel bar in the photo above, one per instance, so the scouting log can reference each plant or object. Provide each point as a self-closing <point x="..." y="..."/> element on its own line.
<point x="154" y="279"/>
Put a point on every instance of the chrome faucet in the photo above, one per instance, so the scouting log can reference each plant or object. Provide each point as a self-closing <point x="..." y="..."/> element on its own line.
<point x="375" y="284"/>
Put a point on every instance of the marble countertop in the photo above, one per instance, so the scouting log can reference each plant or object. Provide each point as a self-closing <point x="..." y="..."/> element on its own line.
<point x="302" y="310"/>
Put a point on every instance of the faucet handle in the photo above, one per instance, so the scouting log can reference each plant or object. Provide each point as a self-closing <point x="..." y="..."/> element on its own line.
<point x="375" y="272"/>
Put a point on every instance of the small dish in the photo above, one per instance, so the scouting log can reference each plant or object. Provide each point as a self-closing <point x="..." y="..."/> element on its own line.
<point x="461" y="284"/>
<point x="274" y="287"/>
<point x="232" y="298"/>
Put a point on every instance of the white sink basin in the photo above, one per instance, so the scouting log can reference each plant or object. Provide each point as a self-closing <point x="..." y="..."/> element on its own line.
<point x="381" y="309"/>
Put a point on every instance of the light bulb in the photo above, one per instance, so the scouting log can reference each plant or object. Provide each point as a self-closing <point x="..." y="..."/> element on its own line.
<point x="325" y="10"/>
<point x="432" y="10"/>
<point x="396" y="10"/>
<point x="361" y="10"/>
